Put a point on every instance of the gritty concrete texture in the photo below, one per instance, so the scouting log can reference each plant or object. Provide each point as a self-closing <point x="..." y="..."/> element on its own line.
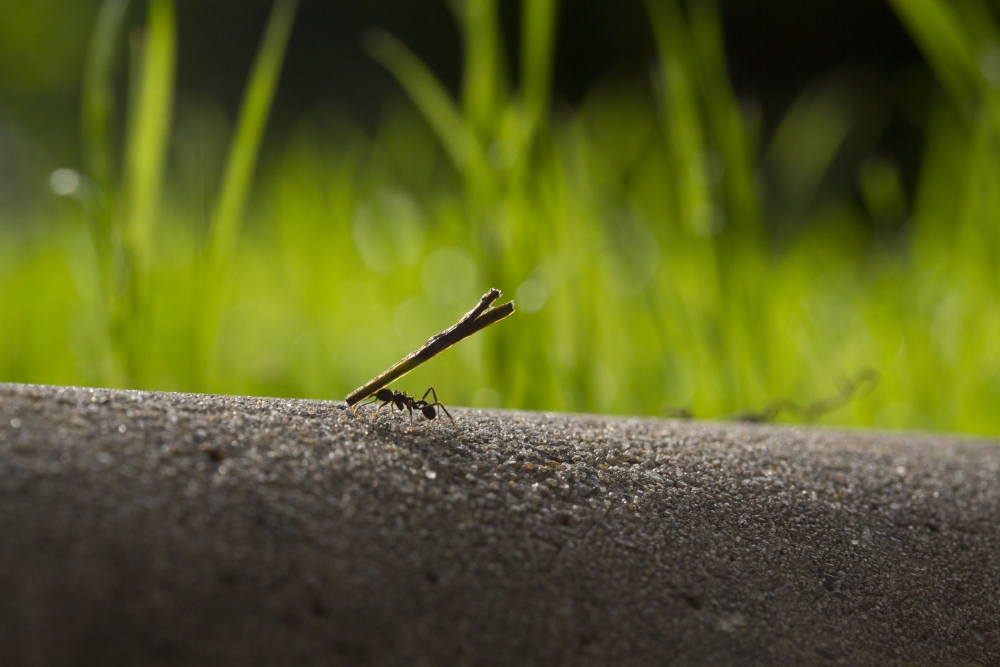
<point x="166" y="529"/>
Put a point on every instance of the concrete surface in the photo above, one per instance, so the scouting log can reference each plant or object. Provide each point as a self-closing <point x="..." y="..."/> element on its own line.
<point x="163" y="529"/>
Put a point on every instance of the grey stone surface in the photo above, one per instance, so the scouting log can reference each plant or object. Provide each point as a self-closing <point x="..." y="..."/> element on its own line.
<point x="164" y="529"/>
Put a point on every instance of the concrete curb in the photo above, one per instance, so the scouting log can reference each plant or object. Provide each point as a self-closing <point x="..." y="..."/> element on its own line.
<point x="172" y="529"/>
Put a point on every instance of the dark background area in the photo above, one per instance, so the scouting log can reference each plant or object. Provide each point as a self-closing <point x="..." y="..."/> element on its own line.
<point x="775" y="47"/>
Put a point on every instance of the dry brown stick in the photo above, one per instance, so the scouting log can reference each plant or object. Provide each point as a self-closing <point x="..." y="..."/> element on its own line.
<point x="475" y="320"/>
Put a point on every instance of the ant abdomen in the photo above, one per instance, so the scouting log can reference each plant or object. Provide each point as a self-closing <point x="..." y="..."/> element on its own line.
<point x="429" y="411"/>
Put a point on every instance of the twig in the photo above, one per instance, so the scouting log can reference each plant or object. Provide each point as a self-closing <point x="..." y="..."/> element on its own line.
<point x="475" y="320"/>
<point x="850" y="389"/>
<point x="867" y="379"/>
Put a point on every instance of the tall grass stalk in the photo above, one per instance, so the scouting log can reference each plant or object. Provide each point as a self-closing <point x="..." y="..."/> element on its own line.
<point x="98" y="107"/>
<point x="122" y="218"/>
<point x="99" y="94"/>
<point x="239" y="173"/>
<point x="147" y="139"/>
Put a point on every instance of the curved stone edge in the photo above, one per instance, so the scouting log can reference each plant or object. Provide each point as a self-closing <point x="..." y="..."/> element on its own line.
<point x="150" y="528"/>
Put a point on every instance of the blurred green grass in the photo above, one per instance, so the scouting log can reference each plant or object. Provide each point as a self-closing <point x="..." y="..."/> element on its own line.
<point x="652" y="269"/>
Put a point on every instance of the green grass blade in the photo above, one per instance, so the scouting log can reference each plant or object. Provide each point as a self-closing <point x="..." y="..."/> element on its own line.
<point x="149" y="129"/>
<point x="682" y="119"/>
<point x="726" y="120"/>
<point x="538" y="40"/>
<point x="808" y="138"/>
<point x="938" y="30"/>
<point x="238" y="174"/>
<point x="484" y="77"/>
<point x="430" y="97"/>
<point x="961" y="41"/>
<point x="154" y="53"/>
<point x="98" y="92"/>
<point x="97" y="111"/>
<point x="245" y="146"/>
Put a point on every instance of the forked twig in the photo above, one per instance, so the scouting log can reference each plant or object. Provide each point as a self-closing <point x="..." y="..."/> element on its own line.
<point x="861" y="384"/>
<point x="850" y="389"/>
<point x="475" y="320"/>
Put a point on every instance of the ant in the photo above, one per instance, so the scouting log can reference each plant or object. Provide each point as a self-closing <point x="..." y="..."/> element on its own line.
<point x="400" y="400"/>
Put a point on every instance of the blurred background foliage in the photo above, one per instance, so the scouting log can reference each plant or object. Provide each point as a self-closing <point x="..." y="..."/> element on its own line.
<point x="698" y="209"/>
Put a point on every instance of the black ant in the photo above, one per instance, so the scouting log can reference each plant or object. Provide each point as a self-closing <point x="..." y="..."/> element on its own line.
<point x="400" y="400"/>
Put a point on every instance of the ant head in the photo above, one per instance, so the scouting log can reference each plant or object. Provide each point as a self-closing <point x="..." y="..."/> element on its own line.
<point x="384" y="395"/>
<point x="429" y="411"/>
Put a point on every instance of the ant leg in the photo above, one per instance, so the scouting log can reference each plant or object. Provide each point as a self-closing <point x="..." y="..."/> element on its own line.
<point x="355" y="408"/>
<point x="411" y="416"/>
<point x="378" y="409"/>
<point x="430" y="390"/>
<point x="439" y="404"/>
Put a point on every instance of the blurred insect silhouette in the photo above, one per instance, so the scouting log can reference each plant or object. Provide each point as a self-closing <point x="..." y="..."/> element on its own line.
<point x="400" y="400"/>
